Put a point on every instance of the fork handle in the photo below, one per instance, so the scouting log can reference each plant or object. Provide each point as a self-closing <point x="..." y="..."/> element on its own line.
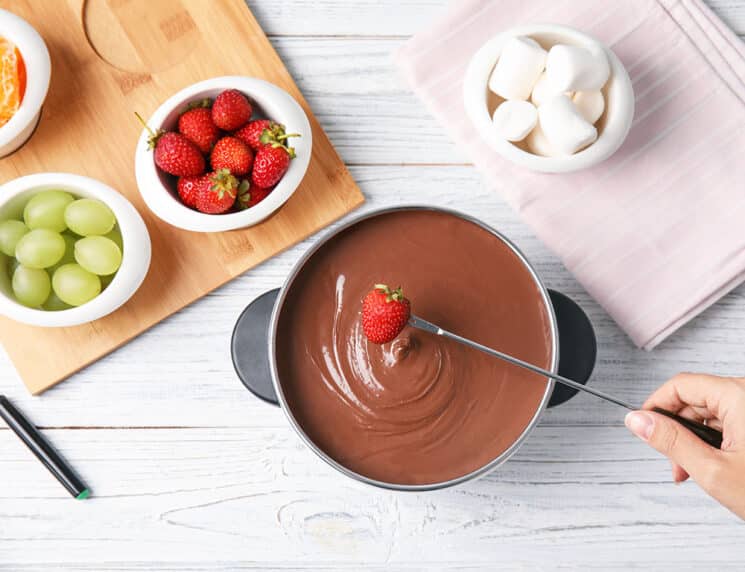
<point x="704" y="432"/>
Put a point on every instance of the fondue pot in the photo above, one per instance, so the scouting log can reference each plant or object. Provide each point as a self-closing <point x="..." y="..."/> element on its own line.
<point x="254" y="350"/>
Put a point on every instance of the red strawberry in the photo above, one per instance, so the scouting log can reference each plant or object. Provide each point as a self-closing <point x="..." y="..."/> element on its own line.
<point x="231" y="110"/>
<point x="188" y="188"/>
<point x="271" y="163"/>
<point x="232" y="154"/>
<point x="174" y="153"/>
<point x="385" y="313"/>
<point x="251" y="132"/>
<point x="219" y="194"/>
<point x="252" y="195"/>
<point x="262" y="132"/>
<point x="197" y="126"/>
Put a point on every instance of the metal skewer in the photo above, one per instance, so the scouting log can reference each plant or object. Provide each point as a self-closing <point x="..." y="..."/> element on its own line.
<point x="708" y="434"/>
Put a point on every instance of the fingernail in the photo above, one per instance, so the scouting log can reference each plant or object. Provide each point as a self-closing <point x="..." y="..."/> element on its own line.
<point x="640" y="424"/>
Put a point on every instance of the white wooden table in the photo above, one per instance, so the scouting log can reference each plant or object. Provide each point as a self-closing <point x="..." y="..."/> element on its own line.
<point x="189" y="471"/>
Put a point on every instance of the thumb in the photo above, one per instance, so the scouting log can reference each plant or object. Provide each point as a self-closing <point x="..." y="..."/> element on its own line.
<point x="674" y="441"/>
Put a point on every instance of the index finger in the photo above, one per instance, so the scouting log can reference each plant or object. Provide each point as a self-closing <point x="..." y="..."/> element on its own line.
<point x="698" y="390"/>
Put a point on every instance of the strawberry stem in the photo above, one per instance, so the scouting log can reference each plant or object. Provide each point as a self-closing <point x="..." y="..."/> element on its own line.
<point x="145" y="125"/>
<point x="276" y="137"/>
<point x="152" y="141"/>
<point x="206" y="102"/>
<point x="224" y="182"/>
<point x="390" y="295"/>
<point x="285" y="136"/>
<point x="244" y="194"/>
<point x="266" y="137"/>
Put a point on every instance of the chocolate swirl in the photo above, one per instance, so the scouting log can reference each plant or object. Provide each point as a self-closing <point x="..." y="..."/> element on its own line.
<point x="367" y="377"/>
<point x="421" y="409"/>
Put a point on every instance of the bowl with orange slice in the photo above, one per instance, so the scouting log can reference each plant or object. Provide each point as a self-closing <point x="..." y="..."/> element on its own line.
<point x="25" y="70"/>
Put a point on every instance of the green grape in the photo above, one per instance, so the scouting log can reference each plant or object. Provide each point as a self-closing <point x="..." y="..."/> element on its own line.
<point x="98" y="254"/>
<point x="47" y="210"/>
<point x="11" y="232"/>
<point x="116" y="236"/>
<point x="5" y="266"/>
<point x="40" y="248"/>
<point x="11" y="266"/>
<point x="69" y="255"/>
<point x="31" y="286"/>
<point x="89" y="217"/>
<point x="54" y="304"/>
<point x="106" y="280"/>
<point x="74" y="285"/>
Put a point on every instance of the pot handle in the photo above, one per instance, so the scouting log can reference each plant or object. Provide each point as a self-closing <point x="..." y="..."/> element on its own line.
<point x="577" y="345"/>
<point x="248" y="347"/>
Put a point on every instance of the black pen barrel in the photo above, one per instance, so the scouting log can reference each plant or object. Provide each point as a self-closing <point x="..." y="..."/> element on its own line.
<point x="43" y="450"/>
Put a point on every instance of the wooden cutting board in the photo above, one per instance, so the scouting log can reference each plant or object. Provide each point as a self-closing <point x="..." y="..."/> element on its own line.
<point x="110" y="58"/>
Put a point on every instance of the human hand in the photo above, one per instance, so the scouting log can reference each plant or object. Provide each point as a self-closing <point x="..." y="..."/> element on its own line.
<point x="720" y="403"/>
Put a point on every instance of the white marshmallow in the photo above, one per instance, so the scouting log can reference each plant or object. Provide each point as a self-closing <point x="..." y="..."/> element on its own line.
<point x="575" y="68"/>
<point x="514" y="119"/>
<point x="543" y="90"/>
<point x="564" y="126"/>
<point x="521" y="62"/>
<point x="590" y="104"/>
<point x="538" y="143"/>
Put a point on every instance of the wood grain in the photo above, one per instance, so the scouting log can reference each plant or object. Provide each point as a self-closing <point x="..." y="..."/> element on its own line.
<point x="387" y="18"/>
<point x="124" y="69"/>
<point x="258" y="496"/>
<point x="581" y="494"/>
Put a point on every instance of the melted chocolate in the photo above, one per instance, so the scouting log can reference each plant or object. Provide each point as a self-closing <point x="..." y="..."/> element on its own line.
<point x="421" y="409"/>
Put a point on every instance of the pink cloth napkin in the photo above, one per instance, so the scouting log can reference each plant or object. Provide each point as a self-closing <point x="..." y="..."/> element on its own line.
<point x="656" y="233"/>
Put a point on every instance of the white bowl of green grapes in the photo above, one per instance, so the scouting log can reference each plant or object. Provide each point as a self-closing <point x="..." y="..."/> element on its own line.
<point x="72" y="250"/>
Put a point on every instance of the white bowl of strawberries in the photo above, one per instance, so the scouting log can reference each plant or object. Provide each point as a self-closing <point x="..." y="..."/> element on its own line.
<point x="222" y="154"/>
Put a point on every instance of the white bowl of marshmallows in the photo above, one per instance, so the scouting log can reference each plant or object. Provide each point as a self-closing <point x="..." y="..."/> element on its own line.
<point x="549" y="98"/>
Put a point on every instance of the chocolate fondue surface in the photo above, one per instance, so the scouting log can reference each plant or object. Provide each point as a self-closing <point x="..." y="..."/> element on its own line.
<point x="421" y="409"/>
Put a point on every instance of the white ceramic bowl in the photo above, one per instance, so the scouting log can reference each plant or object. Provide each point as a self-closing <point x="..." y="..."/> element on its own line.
<point x="269" y="101"/>
<point x="135" y="238"/>
<point x="38" y="72"/>
<point x="613" y="125"/>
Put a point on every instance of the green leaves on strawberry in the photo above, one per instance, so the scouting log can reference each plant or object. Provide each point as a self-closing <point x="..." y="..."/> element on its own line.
<point x="251" y="196"/>
<point x="219" y="194"/>
<point x="273" y="156"/>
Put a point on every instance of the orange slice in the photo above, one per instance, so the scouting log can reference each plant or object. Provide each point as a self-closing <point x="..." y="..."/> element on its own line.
<point x="12" y="80"/>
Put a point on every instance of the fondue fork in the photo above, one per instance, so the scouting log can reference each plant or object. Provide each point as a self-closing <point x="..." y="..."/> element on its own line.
<point x="706" y="433"/>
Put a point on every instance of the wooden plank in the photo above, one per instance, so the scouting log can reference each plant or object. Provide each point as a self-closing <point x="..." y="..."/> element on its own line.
<point x="390" y="17"/>
<point x="732" y="12"/>
<point x="179" y="373"/>
<point x="108" y="82"/>
<point x="366" y="108"/>
<point x="250" y="497"/>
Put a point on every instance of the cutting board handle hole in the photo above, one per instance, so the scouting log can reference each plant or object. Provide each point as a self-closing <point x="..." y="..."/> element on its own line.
<point x="140" y="36"/>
